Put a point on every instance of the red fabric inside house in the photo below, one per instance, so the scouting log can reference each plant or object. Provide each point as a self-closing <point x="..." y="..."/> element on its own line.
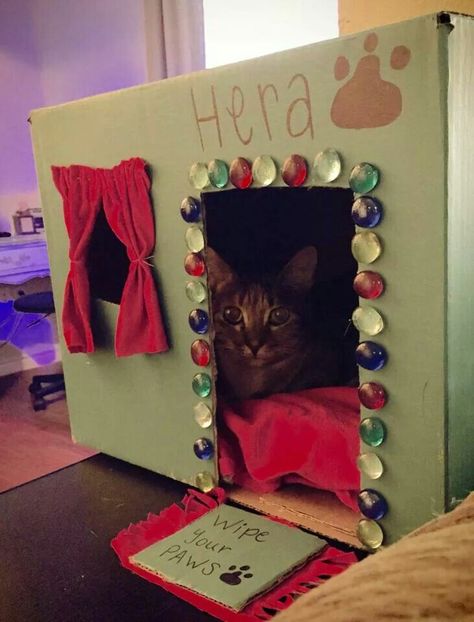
<point x="308" y="437"/>
<point x="79" y="187"/>
<point x="129" y="213"/>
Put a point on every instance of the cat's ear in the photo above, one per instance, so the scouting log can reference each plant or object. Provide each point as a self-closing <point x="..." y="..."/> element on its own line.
<point x="219" y="273"/>
<point x="299" y="273"/>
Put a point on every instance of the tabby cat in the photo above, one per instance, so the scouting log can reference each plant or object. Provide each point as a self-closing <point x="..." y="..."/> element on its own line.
<point x="264" y="339"/>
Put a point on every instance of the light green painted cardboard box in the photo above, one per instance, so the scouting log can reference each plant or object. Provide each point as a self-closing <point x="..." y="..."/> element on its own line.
<point x="408" y="109"/>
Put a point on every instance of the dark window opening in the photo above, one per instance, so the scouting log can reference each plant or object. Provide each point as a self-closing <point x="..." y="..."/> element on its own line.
<point x="107" y="262"/>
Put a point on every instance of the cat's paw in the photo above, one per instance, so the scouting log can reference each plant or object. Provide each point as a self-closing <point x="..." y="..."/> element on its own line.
<point x="366" y="100"/>
<point x="234" y="576"/>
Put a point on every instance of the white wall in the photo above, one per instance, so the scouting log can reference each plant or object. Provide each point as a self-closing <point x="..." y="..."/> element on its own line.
<point x="52" y="51"/>
<point x="248" y="28"/>
<point x="89" y="47"/>
<point x="21" y="89"/>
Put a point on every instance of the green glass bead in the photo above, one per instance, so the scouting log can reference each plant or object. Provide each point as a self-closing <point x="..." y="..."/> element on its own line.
<point x="198" y="175"/>
<point x="370" y="533"/>
<point x="364" y="177"/>
<point x="371" y="465"/>
<point x="195" y="291"/>
<point x="372" y="431"/>
<point x="218" y="173"/>
<point x="203" y="415"/>
<point x="205" y="481"/>
<point x="368" y="320"/>
<point x="264" y="170"/>
<point x="327" y="165"/>
<point x="202" y="385"/>
<point x="366" y="247"/>
<point x="194" y="239"/>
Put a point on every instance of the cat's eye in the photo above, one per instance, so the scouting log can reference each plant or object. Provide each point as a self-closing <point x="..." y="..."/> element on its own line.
<point x="232" y="315"/>
<point x="278" y="316"/>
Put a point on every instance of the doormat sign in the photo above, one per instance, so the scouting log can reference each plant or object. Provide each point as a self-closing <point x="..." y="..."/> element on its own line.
<point x="229" y="555"/>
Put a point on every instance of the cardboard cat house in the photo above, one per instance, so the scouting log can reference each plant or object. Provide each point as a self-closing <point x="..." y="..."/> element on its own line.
<point x="360" y="148"/>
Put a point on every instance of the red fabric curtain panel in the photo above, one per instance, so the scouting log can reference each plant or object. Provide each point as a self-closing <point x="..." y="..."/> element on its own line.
<point x="128" y="210"/>
<point x="80" y="189"/>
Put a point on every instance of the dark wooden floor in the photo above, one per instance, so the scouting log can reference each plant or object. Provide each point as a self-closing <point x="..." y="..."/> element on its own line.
<point x="56" y="564"/>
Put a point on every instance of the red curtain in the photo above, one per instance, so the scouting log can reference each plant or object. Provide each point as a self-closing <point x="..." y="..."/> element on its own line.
<point x="127" y="206"/>
<point x="79" y="187"/>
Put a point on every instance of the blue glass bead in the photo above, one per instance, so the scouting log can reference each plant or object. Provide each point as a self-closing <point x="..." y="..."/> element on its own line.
<point x="371" y="355"/>
<point x="204" y="449"/>
<point x="367" y="212"/>
<point x="372" y="504"/>
<point x="190" y="209"/>
<point x="199" y="321"/>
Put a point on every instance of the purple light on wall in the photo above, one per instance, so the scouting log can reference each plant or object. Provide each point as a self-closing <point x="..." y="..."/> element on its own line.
<point x="29" y="332"/>
<point x="20" y="78"/>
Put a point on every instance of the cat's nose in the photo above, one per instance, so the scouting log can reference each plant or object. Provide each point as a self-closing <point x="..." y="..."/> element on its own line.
<point x="254" y="346"/>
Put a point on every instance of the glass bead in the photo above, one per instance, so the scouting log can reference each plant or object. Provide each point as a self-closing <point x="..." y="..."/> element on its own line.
<point x="190" y="209"/>
<point x="370" y="533"/>
<point x="203" y="448"/>
<point x="371" y="355"/>
<point x="372" y="504"/>
<point x="200" y="352"/>
<point x="294" y="170"/>
<point x="327" y="165"/>
<point x="202" y="385"/>
<point x="367" y="212"/>
<point x="202" y="415"/>
<point x="199" y="321"/>
<point x="363" y="177"/>
<point x="366" y="247"/>
<point x="195" y="291"/>
<point x="370" y="465"/>
<point x="368" y="284"/>
<point x="205" y="481"/>
<point x="194" y="239"/>
<point x="218" y="173"/>
<point x="240" y="173"/>
<point x="264" y="170"/>
<point x="194" y="264"/>
<point x="198" y="175"/>
<point x="372" y="431"/>
<point x="368" y="320"/>
<point x="372" y="395"/>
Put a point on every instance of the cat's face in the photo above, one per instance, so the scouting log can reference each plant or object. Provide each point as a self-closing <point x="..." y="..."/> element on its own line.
<point x="261" y="324"/>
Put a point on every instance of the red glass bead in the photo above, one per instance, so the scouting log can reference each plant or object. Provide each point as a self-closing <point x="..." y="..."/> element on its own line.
<point x="240" y="173"/>
<point x="368" y="284"/>
<point x="372" y="395"/>
<point x="200" y="352"/>
<point x="294" y="170"/>
<point x="194" y="264"/>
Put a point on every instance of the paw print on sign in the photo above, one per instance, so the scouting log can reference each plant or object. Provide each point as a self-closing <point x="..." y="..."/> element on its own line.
<point x="366" y="100"/>
<point x="233" y="577"/>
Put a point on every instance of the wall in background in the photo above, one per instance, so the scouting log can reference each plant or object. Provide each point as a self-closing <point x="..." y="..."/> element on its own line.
<point x="239" y="30"/>
<point x="89" y="47"/>
<point x="21" y="90"/>
<point x="51" y="52"/>
<point x="365" y="14"/>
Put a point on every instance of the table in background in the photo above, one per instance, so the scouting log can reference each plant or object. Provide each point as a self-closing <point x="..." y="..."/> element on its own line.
<point x="24" y="269"/>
